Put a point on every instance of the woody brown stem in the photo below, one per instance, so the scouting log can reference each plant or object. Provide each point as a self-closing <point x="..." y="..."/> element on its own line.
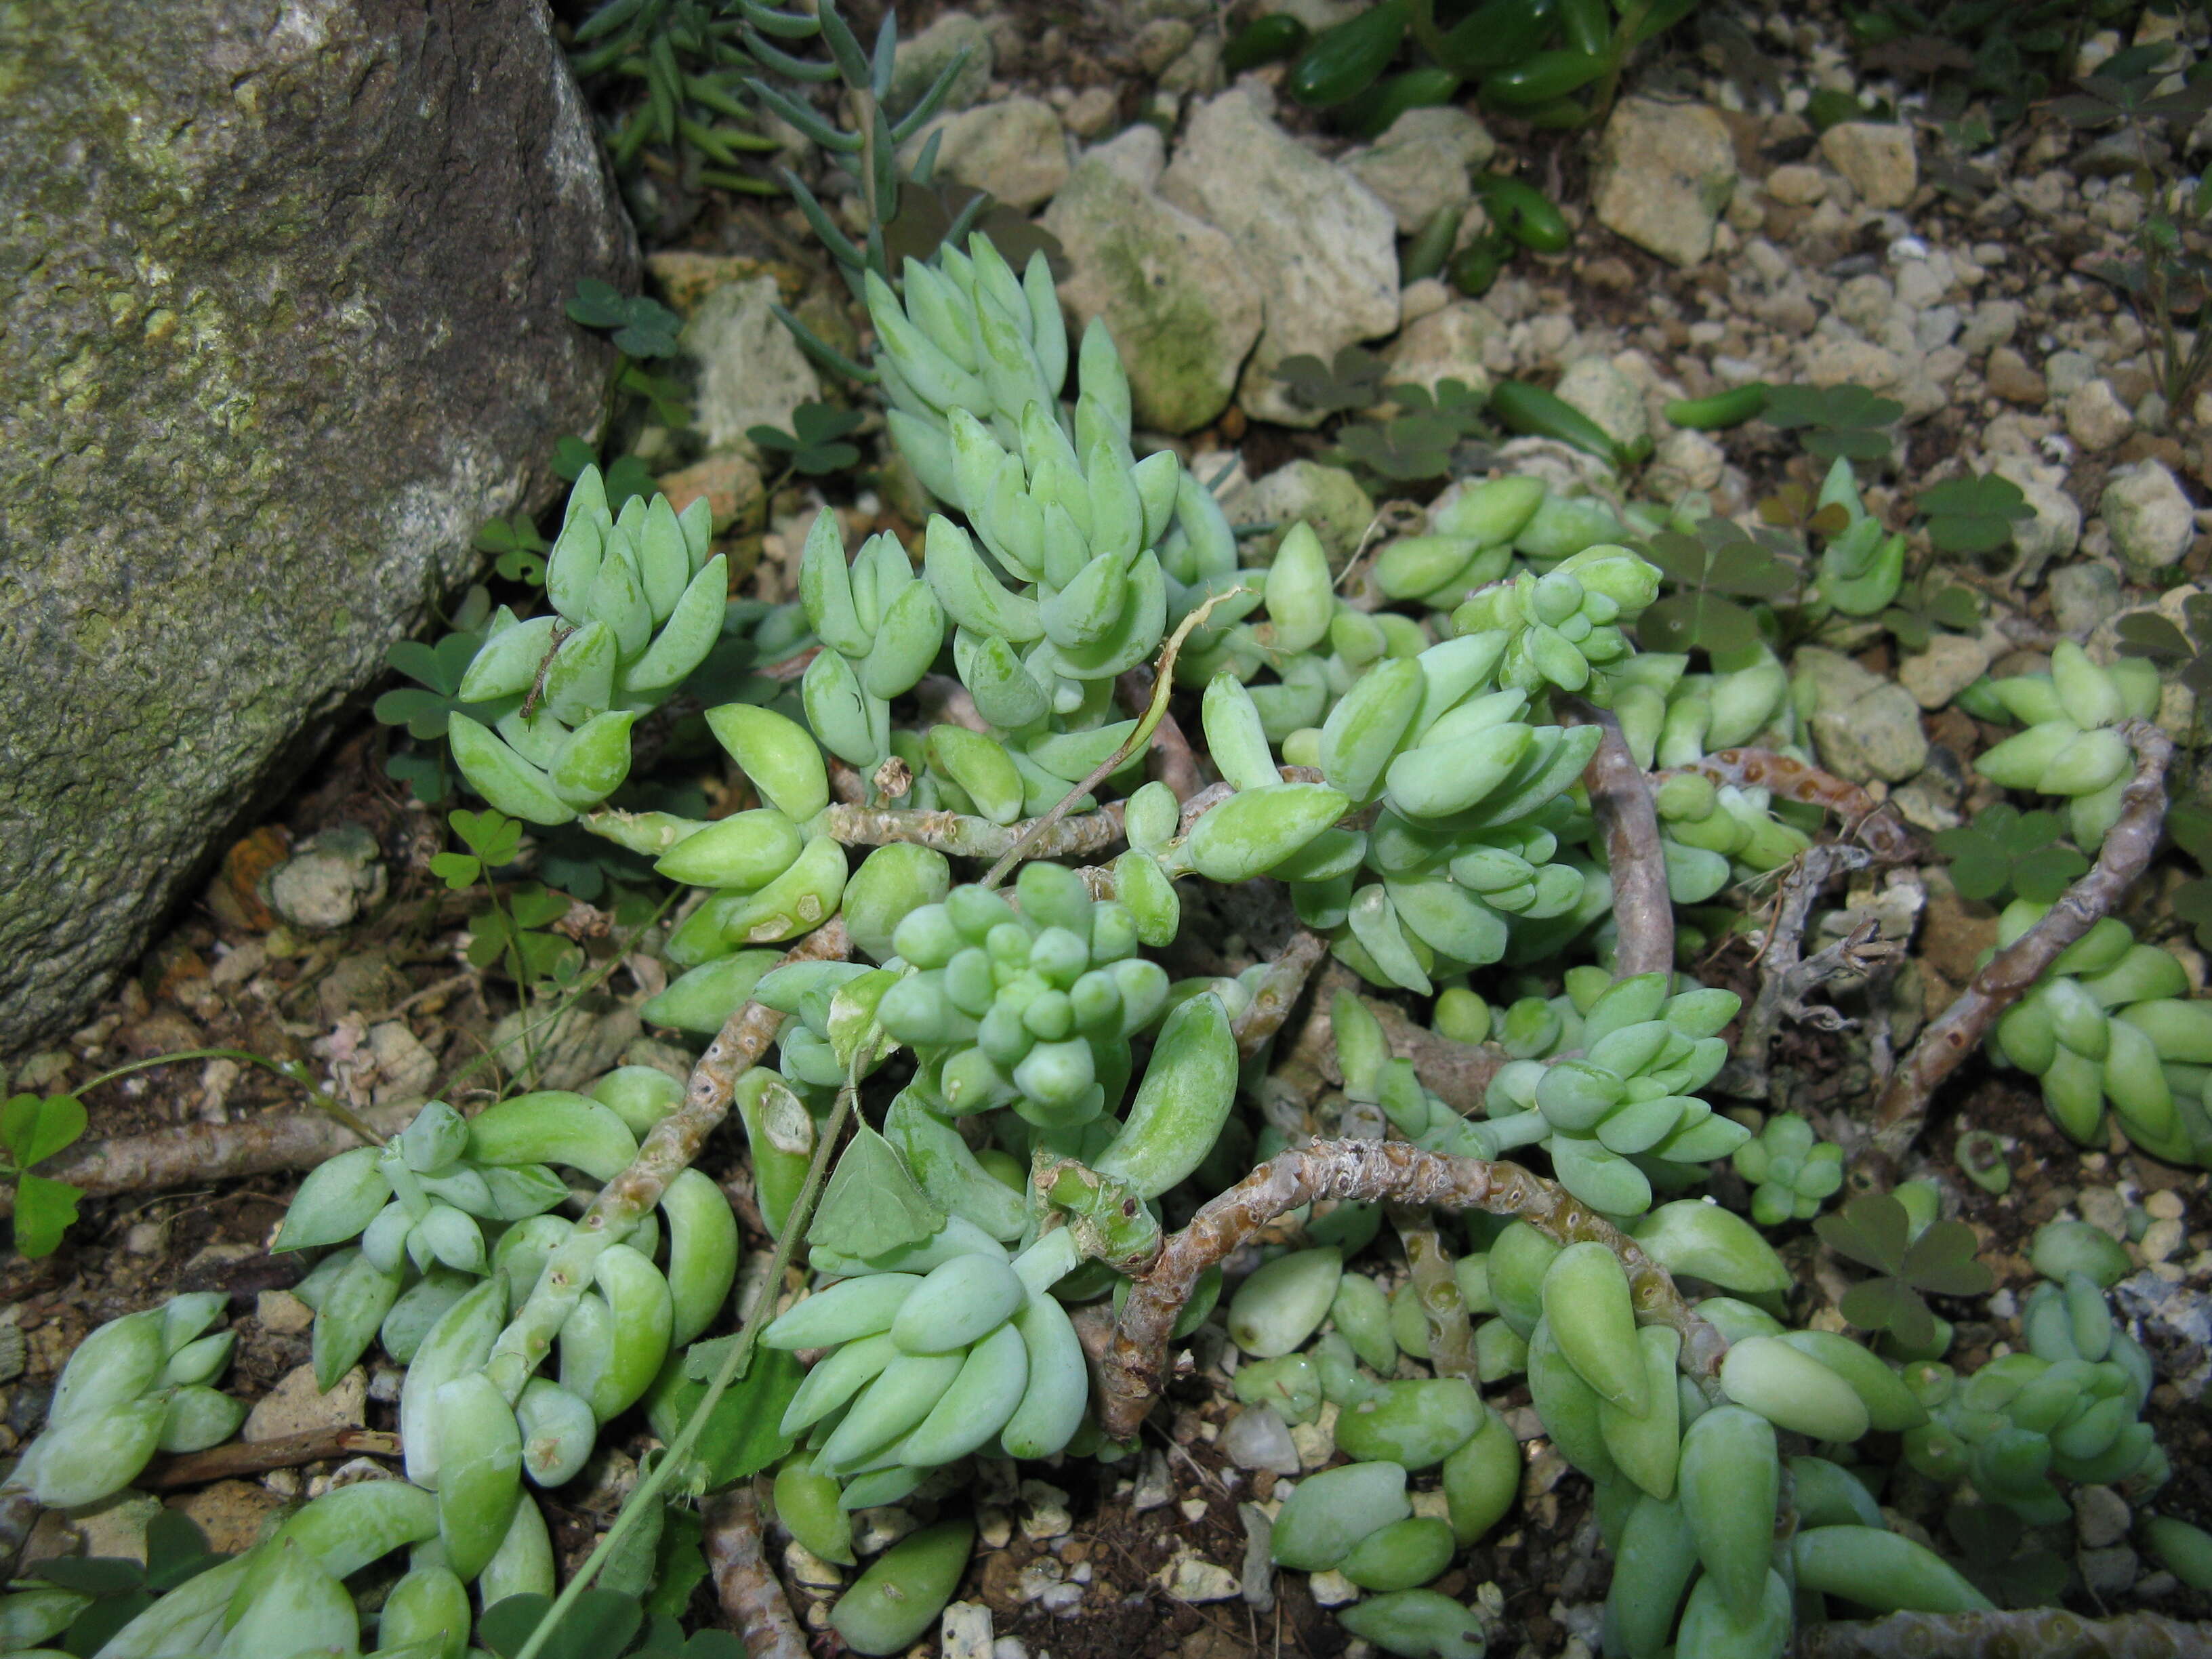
<point x="1278" y="992"/>
<point x="752" y="1597"/>
<point x="1643" y="909"/>
<point x="1369" y="1172"/>
<point x="2010" y="974"/>
<point x="2046" y="1632"/>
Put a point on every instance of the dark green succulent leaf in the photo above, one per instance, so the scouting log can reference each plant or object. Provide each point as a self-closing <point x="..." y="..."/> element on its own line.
<point x="2193" y="904"/>
<point x="600" y="1623"/>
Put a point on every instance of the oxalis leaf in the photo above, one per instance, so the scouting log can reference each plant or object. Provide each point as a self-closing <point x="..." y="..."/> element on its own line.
<point x="872" y="1203"/>
<point x="1876" y="1230"/>
<point x="600" y="1623"/>
<point x="2007" y="848"/>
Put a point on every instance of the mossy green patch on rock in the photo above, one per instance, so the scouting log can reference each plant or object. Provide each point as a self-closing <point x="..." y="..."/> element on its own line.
<point x="284" y="302"/>
<point x="1170" y="286"/>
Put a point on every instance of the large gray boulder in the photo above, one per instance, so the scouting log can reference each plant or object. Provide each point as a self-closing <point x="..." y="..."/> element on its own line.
<point x="282" y="287"/>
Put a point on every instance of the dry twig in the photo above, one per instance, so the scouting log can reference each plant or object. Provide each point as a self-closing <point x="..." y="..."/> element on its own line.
<point x="1457" y="1073"/>
<point x="1278" y="992"/>
<point x="1132" y="1373"/>
<point x="242" y="1458"/>
<point x="2045" y="1632"/>
<point x="196" y="1152"/>
<point x="751" y="1596"/>
<point x="964" y="836"/>
<point x="1863" y="817"/>
<point x="1786" y="978"/>
<point x="1443" y="1306"/>
<point x="1172" y="762"/>
<point x="1953" y="1035"/>
<point x="1642" y="910"/>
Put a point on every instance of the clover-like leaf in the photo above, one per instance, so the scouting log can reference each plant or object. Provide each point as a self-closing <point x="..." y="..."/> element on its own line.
<point x="1845" y="420"/>
<point x="641" y="327"/>
<point x="1410" y="448"/>
<point x="437" y="671"/>
<point x="1941" y="1261"/>
<point x="1873" y="1229"/>
<point x="600" y="1622"/>
<point x="34" y="1127"/>
<point x="814" y="444"/>
<point x="491" y="835"/>
<point x="1972" y="515"/>
<point x="1351" y="380"/>
<point x="2007" y="849"/>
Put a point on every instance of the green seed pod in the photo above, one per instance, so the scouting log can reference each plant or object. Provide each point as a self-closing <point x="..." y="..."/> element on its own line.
<point x="1586" y="1303"/>
<point x="1730" y="1478"/>
<point x="900" y="1595"/>
<point x="1284" y="1303"/>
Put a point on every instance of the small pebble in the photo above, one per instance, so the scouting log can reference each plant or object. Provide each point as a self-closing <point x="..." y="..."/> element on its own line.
<point x="1258" y="1438"/>
<point x="2164" y="1207"/>
<point x="1333" y="1589"/>
<point x="1193" y="1578"/>
<point x="2162" y="1240"/>
<point x="2101" y="1517"/>
<point x="1194" y="1508"/>
<point x="803" y="1566"/>
<point x="1046" y="1515"/>
<point x="965" y="1633"/>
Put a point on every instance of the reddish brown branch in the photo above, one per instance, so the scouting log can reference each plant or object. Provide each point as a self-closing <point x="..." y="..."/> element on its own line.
<point x="1458" y="1073"/>
<point x="2045" y="1632"/>
<point x="243" y="1458"/>
<point x="792" y="667"/>
<point x="1443" y="1305"/>
<point x="1953" y="1034"/>
<point x="752" y="1595"/>
<point x="1278" y="992"/>
<point x="1868" y="819"/>
<point x="1366" y="1172"/>
<point x="1172" y="762"/>
<point x="1643" y="909"/>
<point x="200" y="1152"/>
